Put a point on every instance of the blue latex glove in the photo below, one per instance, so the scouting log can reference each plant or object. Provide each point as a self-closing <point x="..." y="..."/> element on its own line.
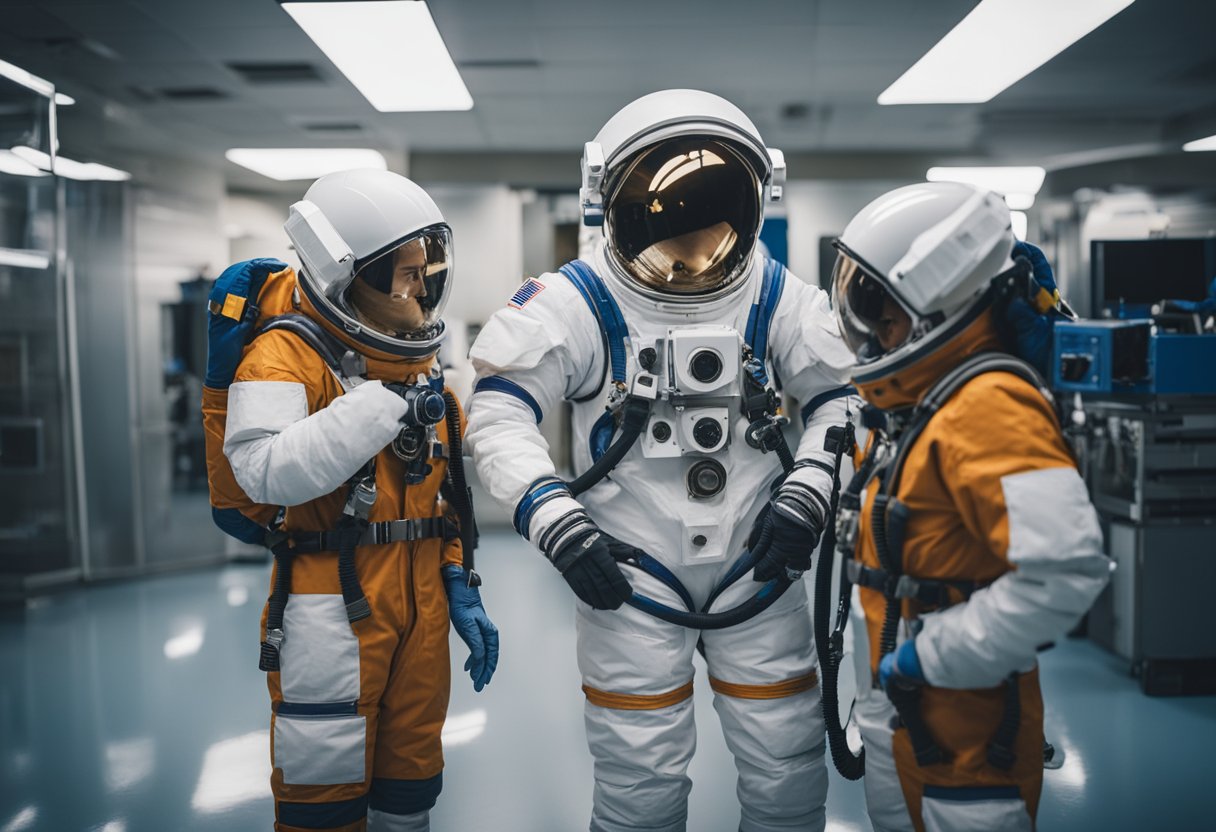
<point x="226" y="337"/>
<point x="901" y="667"/>
<point x="472" y="625"/>
<point x="1033" y="327"/>
<point x="1207" y="306"/>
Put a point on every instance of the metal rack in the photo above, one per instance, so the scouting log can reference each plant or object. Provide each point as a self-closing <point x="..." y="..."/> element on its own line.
<point x="1150" y="462"/>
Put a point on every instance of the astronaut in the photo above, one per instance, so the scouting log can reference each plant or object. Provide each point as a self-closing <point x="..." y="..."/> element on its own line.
<point x="675" y="334"/>
<point x="975" y="541"/>
<point x="338" y="413"/>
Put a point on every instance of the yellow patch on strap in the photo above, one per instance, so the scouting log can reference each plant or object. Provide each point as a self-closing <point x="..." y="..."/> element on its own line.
<point x="234" y="307"/>
<point x="1044" y="300"/>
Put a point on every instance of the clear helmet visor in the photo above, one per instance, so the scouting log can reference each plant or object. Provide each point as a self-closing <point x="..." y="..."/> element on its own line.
<point x="401" y="292"/>
<point x="872" y="319"/>
<point x="684" y="216"/>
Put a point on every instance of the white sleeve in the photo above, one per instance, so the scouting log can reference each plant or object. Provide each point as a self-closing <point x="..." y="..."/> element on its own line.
<point x="528" y="359"/>
<point x="280" y="455"/>
<point x="814" y="365"/>
<point x="1055" y="546"/>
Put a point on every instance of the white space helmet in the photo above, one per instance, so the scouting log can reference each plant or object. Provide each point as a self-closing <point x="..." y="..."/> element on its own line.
<point x="931" y="250"/>
<point x="678" y="179"/>
<point x="377" y="259"/>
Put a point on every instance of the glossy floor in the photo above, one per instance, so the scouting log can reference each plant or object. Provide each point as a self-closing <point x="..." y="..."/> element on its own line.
<point x="139" y="706"/>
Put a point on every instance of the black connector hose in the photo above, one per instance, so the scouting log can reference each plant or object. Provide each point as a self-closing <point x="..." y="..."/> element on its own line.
<point x="637" y="411"/>
<point x="829" y="644"/>
<point x="461" y="495"/>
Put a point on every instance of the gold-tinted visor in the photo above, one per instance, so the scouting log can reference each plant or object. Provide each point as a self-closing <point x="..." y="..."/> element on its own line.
<point x="684" y="216"/>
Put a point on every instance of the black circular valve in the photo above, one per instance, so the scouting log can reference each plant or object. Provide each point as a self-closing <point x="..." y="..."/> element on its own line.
<point x="707" y="432"/>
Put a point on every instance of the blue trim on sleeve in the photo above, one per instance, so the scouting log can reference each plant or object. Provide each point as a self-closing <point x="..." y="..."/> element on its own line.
<point x="499" y="384"/>
<point x="761" y="315"/>
<point x="538" y="492"/>
<point x="328" y="815"/>
<point x="404" y="797"/>
<point x="606" y="312"/>
<point x="967" y="794"/>
<point x="819" y="401"/>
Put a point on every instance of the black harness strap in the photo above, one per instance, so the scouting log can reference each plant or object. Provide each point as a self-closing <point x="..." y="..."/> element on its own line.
<point x="926" y="591"/>
<point x="376" y="534"/>
<point x="280" y="547"/>
<point x="888" y="521"/>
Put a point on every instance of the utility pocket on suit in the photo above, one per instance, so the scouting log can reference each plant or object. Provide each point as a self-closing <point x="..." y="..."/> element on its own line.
<point x="992" y="808"/>
<point x="319" y="658"/>
<point x="320" y="745"/>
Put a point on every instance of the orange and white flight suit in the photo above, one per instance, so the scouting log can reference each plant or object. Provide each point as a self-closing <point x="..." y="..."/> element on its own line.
<point x="358" y="709"/>
<point x="994" y="499"/>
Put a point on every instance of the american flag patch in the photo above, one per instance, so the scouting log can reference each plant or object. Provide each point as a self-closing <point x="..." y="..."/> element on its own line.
<point x="526" y="292"/>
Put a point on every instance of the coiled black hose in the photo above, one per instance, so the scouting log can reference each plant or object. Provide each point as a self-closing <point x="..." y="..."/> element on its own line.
<point x="829" y="644"/>
<point x="637" y="411"/>
<point x="461" y="495"/>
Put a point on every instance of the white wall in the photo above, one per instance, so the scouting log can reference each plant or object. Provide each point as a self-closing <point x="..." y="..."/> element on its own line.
<point x="253" y="225"/>
<point x="823" y="209"/>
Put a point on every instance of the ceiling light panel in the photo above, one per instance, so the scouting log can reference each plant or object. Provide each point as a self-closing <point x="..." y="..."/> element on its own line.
<point x="997" y="44"/>
<point x="390" y="50"/>
<point x="1200" y="144"/>
<point x="288" y="163"/>
<point x="1024" y="181"/>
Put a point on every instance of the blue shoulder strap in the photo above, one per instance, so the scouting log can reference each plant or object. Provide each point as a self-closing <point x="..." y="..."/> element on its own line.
<point x="761" y="316"/>
<point x="607" y="313"/>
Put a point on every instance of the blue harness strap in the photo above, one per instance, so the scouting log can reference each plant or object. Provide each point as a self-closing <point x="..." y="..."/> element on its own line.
<point x="614" y="333"/>
<point x="607" y="313"/>
<point x="761" y="315"/>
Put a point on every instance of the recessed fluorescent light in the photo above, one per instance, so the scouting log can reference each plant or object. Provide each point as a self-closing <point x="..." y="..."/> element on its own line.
<point x="997" y="44"/>
<point x="287" y="163"/>
<point x="62" y="99"/>
<point x="70" y="168"/>
<point x="24" y="259"/>
<point x="389" y="49"/>
<point x="1201" y="144"/>
<point x="25" y="79"/>
<point x="13" y="164"/>
<point x="1003" y="180"/>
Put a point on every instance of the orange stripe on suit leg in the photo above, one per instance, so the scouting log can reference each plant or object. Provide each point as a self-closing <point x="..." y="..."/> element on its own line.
<point x="637" y="702"/>
<point x="773" y="690"/>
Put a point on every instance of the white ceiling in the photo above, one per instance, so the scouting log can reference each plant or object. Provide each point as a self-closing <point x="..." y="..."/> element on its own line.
<point x="545" y="74"/>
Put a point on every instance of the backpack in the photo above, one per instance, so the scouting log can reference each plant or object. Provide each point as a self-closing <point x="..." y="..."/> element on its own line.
<point x="242" y="300"/>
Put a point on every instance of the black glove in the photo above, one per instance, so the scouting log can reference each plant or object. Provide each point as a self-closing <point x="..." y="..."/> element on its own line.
<point x="795" y="528"/>
<point x="586" y="562"/>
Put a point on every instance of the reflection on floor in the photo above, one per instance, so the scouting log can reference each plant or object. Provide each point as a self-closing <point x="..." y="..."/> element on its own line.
<point x="139" y="706"/>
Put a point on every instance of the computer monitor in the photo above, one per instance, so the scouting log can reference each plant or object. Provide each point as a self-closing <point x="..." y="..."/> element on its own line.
<point x="1128" y="276"/>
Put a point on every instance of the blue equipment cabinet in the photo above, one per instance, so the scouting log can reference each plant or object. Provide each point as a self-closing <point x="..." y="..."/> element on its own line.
<point x="1144" y="430"/>
<point x="1112" y="357"/>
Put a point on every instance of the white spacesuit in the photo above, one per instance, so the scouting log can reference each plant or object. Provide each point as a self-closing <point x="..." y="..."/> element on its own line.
<point x="676" y="312"/>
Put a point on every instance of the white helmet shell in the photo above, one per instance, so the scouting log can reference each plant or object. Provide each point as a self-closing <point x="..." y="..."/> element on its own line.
<point x="678" y="179"/>
<point x="935" y="247"/>
<point x="349" y="219"/>
<point x="668" y="114"/>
